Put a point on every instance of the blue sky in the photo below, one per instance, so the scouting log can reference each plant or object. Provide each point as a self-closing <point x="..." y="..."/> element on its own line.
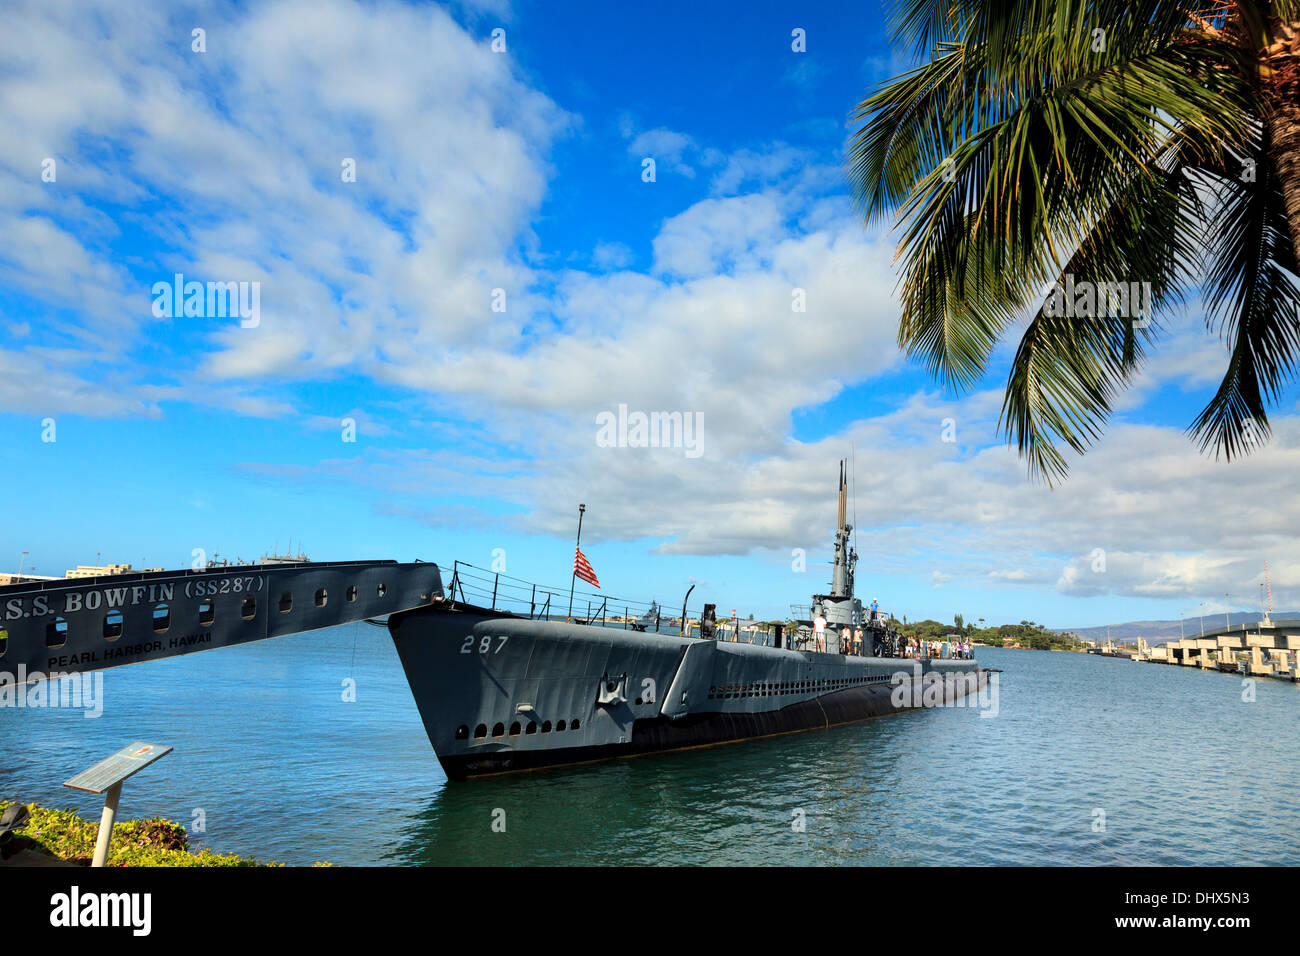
<point x="522" y="171"/>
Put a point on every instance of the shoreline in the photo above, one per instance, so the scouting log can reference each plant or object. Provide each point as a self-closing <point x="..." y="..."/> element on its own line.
<point x="66" y="836"/>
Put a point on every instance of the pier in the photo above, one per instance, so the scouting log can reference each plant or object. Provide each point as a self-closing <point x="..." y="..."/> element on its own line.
<point x="1264" y="649"/>
<point x="62" y="626"/>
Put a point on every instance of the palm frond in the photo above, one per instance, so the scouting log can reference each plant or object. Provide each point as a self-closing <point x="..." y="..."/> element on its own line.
<point x="1031" y="147"/>
<point x="1068" y="368"/>
<point x="1255" y="303"/>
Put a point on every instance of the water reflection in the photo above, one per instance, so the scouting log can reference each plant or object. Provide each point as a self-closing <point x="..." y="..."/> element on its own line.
<point x="1186" y="771"/>
<point x="731" y="804"/>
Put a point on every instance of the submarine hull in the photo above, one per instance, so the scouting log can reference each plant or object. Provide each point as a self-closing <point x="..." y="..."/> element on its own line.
<point x="501" y="694"/>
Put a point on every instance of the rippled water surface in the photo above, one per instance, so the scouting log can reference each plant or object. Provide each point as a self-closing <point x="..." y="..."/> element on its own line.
<point x="1184" y="771"/>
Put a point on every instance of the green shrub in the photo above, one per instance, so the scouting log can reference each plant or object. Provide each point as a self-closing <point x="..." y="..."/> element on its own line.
<point x="151" y="842"/>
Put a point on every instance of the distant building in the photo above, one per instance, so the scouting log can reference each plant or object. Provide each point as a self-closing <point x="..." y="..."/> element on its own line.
<point x="98" y="571"/>
<point x="7" y="577"/>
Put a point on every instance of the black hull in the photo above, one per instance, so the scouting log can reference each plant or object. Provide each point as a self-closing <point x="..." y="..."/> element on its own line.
<point x="661" y="734"/>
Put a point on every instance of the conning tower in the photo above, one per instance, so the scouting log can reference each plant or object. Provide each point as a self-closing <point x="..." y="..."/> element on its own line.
<point x="840" y="607"/>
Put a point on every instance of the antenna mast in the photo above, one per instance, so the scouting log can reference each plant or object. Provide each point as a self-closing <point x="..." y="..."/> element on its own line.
<point x="840" y="519"/>
<point x="845" y="555"/>
<point x="1268" y="587"/>
<point x="853" y="470"/>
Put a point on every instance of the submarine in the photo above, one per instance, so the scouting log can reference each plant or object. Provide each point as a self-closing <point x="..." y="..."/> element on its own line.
<point x="504" y="689"/>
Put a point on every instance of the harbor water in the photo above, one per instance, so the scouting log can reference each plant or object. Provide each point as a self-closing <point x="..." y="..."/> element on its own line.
<point x="1088" y="761"/>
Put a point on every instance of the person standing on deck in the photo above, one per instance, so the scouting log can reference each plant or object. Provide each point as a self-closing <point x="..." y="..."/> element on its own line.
<point x="857" y="642"/>
<point x="875" y="608"/>
<point x="819" y="632"/>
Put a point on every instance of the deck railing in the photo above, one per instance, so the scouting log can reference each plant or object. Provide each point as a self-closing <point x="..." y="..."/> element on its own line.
<point x="498" y="591"/>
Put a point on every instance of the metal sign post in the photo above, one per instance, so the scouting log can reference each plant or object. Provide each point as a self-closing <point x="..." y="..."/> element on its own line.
<point x="106" y="777"/>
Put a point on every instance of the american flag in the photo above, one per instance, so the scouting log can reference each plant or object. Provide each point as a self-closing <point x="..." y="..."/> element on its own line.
<point x="583" y="570"/>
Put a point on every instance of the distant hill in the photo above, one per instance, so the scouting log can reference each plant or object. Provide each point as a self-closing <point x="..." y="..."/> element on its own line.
<point x="1157" y="632"/>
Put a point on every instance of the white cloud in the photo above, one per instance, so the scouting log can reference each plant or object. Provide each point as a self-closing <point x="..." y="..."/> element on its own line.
<point x="611" y="255"/>
<point x="45" y="383"/>
<point x="246" y="142"/>
<point x="666" y="147"/>
<point x="390" y="279"/>
<point x="760" y="167"/>
<point x="720" y="235"/>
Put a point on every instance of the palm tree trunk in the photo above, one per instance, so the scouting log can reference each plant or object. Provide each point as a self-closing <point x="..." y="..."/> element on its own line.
<point x="1282" y="58"/>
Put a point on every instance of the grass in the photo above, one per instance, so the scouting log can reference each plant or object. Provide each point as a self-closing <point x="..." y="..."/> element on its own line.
<point x="152" y="842"/>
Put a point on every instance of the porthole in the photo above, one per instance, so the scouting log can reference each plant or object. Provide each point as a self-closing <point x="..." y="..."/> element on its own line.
<point x="286" y="602"/>
<point x="531" y="728"/>
<point x="248" y="610"/>
<point x="546" y="724"/>
<point x="56" y="633"/>
<point x="351" y="593"/>
<point x="575" y="725"/>
<point x="462" y="732"/>
<point x="207" y="613"/>
<point x="321" y="597"/>
<point x="162" y="619"/>
<point x="560" y="726"/>
<point x="498" y="730"/>
<point x="514" y="729"/>
<point x="381" y="590"/>
<point x="480" y="731"/>
<point x="112" y="625"/>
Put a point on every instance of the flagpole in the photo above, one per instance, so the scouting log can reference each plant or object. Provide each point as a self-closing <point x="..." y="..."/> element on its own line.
<point x="576" y="547"/>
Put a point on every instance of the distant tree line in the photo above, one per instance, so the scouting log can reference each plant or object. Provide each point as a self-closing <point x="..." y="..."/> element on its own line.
<point x="1024" y="634"/>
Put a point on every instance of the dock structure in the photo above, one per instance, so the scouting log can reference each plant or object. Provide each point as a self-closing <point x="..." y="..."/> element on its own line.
<point x="1265" y="648"/>
<point x="54" y="628"/>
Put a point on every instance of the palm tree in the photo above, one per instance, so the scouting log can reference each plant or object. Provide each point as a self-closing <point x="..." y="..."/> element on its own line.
<point x="1043" y="148"/>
